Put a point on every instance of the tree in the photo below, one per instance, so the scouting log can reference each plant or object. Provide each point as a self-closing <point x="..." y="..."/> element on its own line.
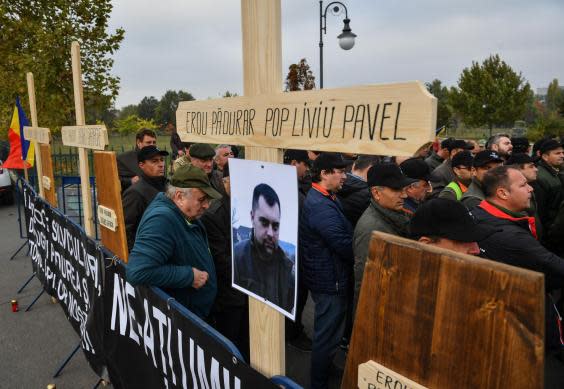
<point x="165" y="113"/>
<point x="147" y="108"/>
<point x="554" y="97"/>
<point x="133" y="123"/>
<point x="300" y="77"/>
<point x="441" y="93"/>
<point x="490" y="93"/>
<point x="37" y="36"/>
<point x="229" y="94"/>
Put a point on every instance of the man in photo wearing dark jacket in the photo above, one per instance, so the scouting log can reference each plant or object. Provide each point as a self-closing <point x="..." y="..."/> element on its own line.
<point x="138" y="196"/>
<point x="230" y="310"/>
<point x="171" y="248"/>
<point x="483" y="161"/>
<point x="327" y="259"/>
<point x="128" y="167"/>
<point x="507" y="200"/>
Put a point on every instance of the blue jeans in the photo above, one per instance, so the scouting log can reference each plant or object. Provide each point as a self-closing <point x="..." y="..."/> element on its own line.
<point x="328" y="326"/>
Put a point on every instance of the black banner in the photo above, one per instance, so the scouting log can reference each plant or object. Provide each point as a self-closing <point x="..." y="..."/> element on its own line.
<point x="68" y="265"/>
<point x="153" y="342"/>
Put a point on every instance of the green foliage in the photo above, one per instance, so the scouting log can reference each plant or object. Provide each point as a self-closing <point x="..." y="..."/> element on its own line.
<point x="444" y="111"/>
<point x="147" y="108"/>
<point x="165" y="112"/>
<point x="37" y="36"/>
<point x="133" y="123"/>
<point x="300" y="77"/>
<point x="551" y="124"/>
<point x="555" y="97"/>
<point x="490" y="93"/>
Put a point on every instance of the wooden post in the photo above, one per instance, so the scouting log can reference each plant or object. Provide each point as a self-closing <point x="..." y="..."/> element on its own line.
<point x="82" y="152"/>
<point x="33" y="111"/>
<point x="262" y="73"/>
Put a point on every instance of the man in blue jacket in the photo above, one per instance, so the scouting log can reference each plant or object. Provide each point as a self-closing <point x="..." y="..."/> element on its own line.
<point x="171" y="248"/>
<point x="326" y="244"/>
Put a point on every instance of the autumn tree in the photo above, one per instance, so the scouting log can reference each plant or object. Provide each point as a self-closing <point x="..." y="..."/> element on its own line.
<point x="491" y="94"/>
<point x="300" y="77"/>
<point x="37" y="36"/>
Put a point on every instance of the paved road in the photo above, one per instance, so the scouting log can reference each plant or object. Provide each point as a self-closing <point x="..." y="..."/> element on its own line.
<point x="33" y="344"/>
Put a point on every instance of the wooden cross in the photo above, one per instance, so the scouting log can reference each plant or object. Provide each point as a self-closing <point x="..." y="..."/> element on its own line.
<point x="391" y="119"/>
<point x="110" y="210"/>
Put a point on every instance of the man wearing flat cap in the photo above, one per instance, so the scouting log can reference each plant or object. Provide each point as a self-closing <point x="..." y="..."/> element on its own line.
<point x="483" y="161"/>
<point x="202" y="155"/>
<point x="138" y="196"/>
<point x="387" y="186"/>
<point x="417" y="169"/>
<point x="171" y="248"/>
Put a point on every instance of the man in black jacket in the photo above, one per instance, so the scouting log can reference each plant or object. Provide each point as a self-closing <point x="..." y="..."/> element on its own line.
<point x="230" y="311"/>
<point x="128" y="166"/>
<point x="508" y="197"/>
<point x="138" y="196"/>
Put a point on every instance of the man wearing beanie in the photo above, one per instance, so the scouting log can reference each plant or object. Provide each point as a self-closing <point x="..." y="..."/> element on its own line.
<point x="483" y="161"/>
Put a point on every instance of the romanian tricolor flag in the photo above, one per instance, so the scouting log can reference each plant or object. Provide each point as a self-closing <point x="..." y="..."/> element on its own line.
<point x="21" y="150"/>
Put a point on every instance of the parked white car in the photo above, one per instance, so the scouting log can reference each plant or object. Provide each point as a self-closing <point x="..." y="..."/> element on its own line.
<point x="6" y="186"/>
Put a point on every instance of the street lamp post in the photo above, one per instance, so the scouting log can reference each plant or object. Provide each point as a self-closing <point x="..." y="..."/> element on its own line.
<point x="346" y="38"/>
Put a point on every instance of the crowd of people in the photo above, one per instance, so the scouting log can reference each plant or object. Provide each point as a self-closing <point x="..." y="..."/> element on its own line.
<point x="503" y="200"/>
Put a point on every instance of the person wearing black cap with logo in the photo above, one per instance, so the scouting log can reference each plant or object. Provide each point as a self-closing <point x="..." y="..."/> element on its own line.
<point x="483" y="161"/>
<point x="443" y="175"/>
<point x="387" y="189"/>
<point x="549" y="185"/>
<point x="230" y="313"/>
<point x="417" y="192"/>
<point x="436" y="158"/>
<point x="326" y="243"/>
<point x="448" y="224"/>
<point x="462" y="168"/>
<point x="171" y="249"/>
<point x="354" y="195"/>
<point x="138" y="196"/>
<point x="515" y="243"/>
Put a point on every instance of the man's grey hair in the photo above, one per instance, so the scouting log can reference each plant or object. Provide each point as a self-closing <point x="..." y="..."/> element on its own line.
<point x="171" y="190"/>
<point x="221" y="147"/>
<point x="495" y="139"/>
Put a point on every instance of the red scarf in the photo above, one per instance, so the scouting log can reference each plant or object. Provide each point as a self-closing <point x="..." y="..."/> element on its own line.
<point x="323" y="191"/>
<point x="494" y="211"/>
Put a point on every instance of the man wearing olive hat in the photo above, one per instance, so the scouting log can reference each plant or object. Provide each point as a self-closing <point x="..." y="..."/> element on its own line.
<point x="202" y="155"/>
<point x="171" y="248"/>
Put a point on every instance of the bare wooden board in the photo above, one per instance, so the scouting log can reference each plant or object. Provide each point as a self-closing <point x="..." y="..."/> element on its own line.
<point x="50" y="191"/>
<point x="447" y="320"/>
<point x="105" y="167"/>
<point x="393" y="119"/>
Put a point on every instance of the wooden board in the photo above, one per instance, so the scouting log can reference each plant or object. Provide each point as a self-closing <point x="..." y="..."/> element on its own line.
<point x="47" y="164"/>
<point x="88" y="137"/>
<point x="372" y="375"/>
<point x="393" y="119"/>
<point x="262" y="70"/>
<point x="38" y="134"/>
<point x="447" y="320"/>
<point x="105" y="168"/>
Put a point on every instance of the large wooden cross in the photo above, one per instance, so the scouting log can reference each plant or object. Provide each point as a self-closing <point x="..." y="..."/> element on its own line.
<point x="110" y="210"/>
<point x="391" y="119"/>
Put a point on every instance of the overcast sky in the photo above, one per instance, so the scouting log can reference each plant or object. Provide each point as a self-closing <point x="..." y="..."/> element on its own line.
<point x="196" y="45"/>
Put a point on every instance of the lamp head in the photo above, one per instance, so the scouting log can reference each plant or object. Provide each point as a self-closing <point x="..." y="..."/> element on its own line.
<point x="346" y="38"/>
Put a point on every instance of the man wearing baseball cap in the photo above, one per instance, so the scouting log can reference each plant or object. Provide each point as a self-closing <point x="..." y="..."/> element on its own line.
<point x="138" y="196"/>
<point x="326" y="244"/>
<point x="442" y="175"/>
<point x="417" y="169"/>
<point x="387" y="189"/>
<point x="462" y="168"/>
<point x="171" y="248"/>
<point x="483" y="161"/>
<point x="448" y="224"/>
<point x="436" y="158"/>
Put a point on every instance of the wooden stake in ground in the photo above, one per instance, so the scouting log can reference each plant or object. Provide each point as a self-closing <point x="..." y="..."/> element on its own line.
<point x="391" y="119"/>
<point x="33" y="111"/>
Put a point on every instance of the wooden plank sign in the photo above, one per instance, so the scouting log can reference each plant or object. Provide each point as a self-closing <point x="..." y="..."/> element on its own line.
<point x="88" y="137"/>
<point x="372" y="375"/>
<point x="447" y="320"/>
<point x="393" y="119"/>
<point x="107" y="218"/>
<point x="38" y="134"/>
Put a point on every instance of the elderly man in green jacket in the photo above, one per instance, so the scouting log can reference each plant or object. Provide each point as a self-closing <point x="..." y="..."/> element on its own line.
<point x="171" y="247"/>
